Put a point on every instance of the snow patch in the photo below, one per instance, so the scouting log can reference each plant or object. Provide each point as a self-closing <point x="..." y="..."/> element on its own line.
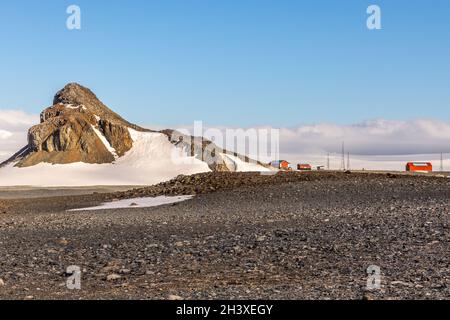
<point x="137" y="203"/>
<point x="105" y="142"/>
<point x="70" y="106"/>
<point x="242" y="166"/>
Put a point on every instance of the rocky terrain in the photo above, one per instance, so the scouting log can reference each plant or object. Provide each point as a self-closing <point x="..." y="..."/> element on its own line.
<point x="3" y="206"/>
<point x="26" y="192"/>
<point x="213" y="181"/>
<point x="290" y="236"/>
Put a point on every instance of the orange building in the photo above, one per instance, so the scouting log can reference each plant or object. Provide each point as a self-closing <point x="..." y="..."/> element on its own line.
<point x="419" y="167"/>
<point x="280" y="164"/>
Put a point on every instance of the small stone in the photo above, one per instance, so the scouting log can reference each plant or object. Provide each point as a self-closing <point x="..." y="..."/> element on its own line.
<point x="368" y="297"/>
<point x="63" y="241"/>
<point x="113" y="277"/>
<point x="2" y="283"/>
<point x="260" y="238"/>
<point x="173" y="297"/>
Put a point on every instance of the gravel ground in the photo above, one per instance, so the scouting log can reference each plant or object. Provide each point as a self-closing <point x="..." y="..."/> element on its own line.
<point x="291" y="236"/>
<point x="34" y="192"/>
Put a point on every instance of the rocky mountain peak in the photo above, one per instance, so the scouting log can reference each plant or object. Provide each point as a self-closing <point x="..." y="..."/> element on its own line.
<point x="78" y="127"/>
<point x="75" y="95"/>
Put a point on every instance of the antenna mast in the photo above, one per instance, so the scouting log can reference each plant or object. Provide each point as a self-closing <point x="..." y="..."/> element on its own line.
<point x="348" y="160"/>
<point x="328" y="161"/>
<point x="343" y="157"/>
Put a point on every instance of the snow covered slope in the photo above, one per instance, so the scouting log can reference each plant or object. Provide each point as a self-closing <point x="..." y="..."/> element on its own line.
<point x="152" y="159"/>
<point x="239" y="165"/>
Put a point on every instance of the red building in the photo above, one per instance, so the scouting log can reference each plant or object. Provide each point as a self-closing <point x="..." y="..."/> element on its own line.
<point x="304" y="167"/>
<point x="419" y="167"/>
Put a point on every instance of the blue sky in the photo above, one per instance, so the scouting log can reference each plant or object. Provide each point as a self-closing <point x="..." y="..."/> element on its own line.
<point x="237" y="63"/>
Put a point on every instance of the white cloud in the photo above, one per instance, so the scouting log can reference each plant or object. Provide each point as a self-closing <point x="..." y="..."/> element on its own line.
<point x="17" y="119"/>
<point x="5" y="134"/>
<point x="14" y="125"/>
<point x="370" y="138"/>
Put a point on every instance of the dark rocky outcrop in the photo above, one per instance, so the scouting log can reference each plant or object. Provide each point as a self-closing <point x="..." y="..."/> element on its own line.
<point x="205" y="150"/>
<point x="67" y="138"/>
<point x="69" y="131"/>
<point x="117" y="135"/>
<point x="209" y="182"/>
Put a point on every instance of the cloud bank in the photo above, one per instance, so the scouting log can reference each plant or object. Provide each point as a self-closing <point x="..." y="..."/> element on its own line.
<point x="375" y="143"/>
<point x="14" y="125"/>
<point x="369" y="138"/>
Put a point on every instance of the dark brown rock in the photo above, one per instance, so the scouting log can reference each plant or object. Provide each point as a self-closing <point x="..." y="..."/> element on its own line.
<point x="67" y="133"/>
<point x="117" y="135"/>
<point x="65" y="136"/>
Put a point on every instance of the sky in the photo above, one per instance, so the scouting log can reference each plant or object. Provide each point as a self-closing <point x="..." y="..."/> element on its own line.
<point x="311" y="69"/>
<point x="234" y="63"/>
